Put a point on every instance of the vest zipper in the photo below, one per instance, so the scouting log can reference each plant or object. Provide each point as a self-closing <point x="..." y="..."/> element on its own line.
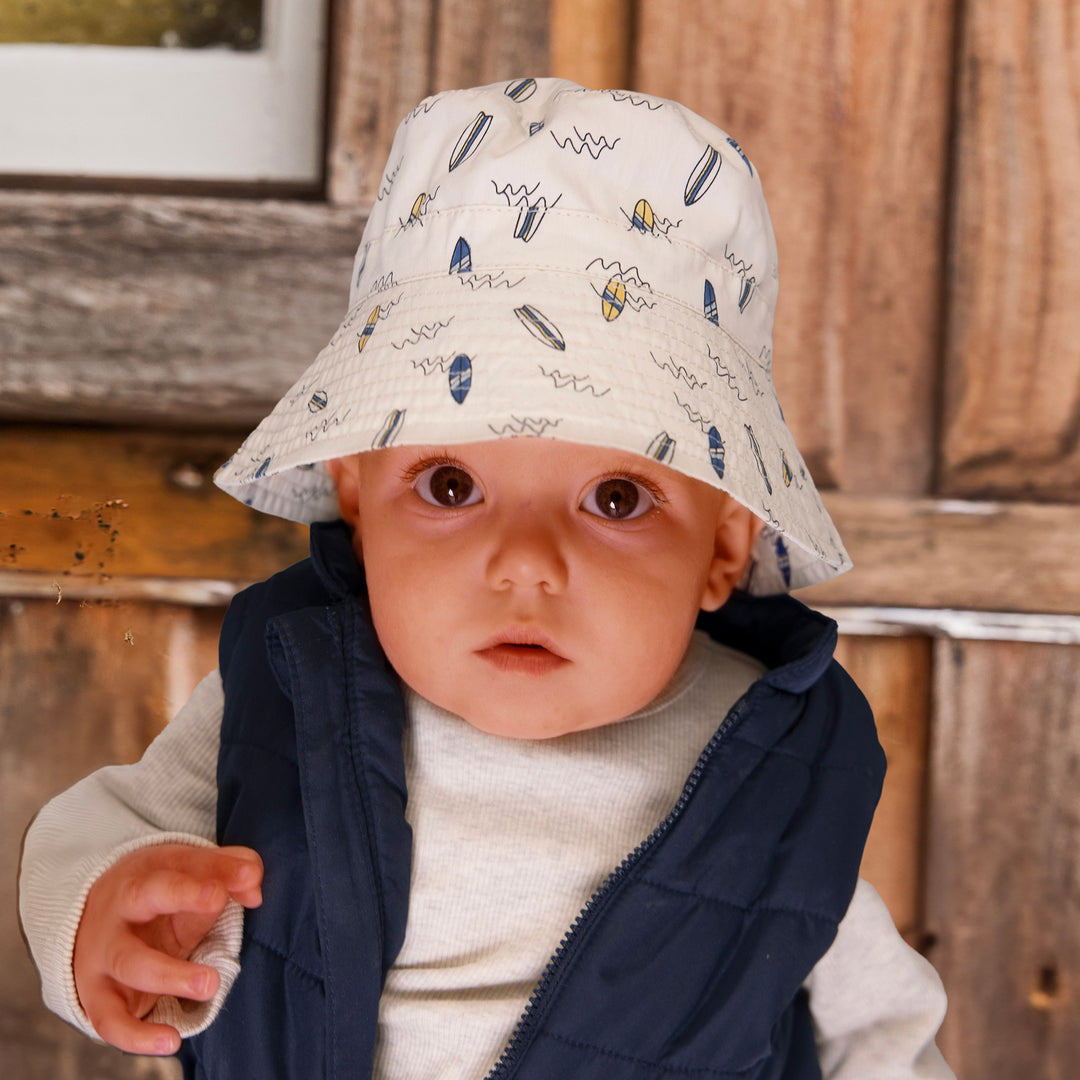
<point x="523" y="1032"/>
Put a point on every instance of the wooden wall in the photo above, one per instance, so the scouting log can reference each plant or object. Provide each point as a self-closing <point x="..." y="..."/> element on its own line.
<point x="922" y="163"/>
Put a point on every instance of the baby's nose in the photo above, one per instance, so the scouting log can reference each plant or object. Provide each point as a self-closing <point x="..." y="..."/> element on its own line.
<point x="528" y="553"/>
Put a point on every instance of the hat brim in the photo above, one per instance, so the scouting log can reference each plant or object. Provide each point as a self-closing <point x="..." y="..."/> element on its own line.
<point x="465" y="357"/>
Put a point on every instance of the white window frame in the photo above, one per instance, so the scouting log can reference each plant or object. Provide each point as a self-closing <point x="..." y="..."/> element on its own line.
<point x="199" y="114"/>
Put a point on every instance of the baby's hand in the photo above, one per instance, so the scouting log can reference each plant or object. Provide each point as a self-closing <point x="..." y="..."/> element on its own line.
<point x="143" y="917"/>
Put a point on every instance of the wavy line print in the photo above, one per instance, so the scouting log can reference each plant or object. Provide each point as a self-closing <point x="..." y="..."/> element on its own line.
<point x="758" y="392"/>
<point x="635" y="303"/>
<point x="664" y="225"/>
<point x="323" y="426"/>
<point x="384" y="283"/>
<point x="425" y="106"/>
<point x="639" y="302"/>
<point x="631" y="276"/>
<point x="388" y="181"/>
<point x="586" y="142"/>
<point x="430" y="364"/>
<point x="661" y="226"/>
<point x="726" y="375"/>
<point x="580" y="383"/>
<point x="694" y="416"/>
<point x="385" y="309"/>
<point x="491" y="281"/>
<point x="737" y="264"/>
<point x="525" y="425"/>
<point x="679" y="372"/>
<point x="775" y="523"/>
<point x="426" y="331"/>
<point x="620" y="97"/>
<point x="300" y="395"/>
<point x="514" y="196"/>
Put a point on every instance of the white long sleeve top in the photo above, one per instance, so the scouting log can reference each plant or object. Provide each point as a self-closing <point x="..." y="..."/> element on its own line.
<point x="480" y="931"/>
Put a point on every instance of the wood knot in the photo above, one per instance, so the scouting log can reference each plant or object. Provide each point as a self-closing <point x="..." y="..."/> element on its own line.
<point x="1047" y="994"/>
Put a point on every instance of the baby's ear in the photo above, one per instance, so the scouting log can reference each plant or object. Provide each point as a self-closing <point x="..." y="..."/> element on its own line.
<point x="736" y="530"/>
<point x="345" y="472"/>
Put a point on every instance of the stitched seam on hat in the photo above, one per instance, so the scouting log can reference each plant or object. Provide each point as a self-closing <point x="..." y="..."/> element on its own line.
<point x="675" y="301"/>
<point x="558" y="211"/>
<point x="511" y="268"/>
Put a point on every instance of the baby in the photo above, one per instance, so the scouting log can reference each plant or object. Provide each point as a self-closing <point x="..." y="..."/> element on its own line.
<point x="555" y="510"/>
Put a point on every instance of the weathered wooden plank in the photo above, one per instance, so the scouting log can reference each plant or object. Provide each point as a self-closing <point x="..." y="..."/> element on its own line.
<point x="844" y="108"/>
<point x="1012" y="403"/>
<point x="1003" y="894"/>
<point x="84" y="685"/>
<point x="953" y="554"/>
<point x="389" y="54"/>
<point x="92" y="502"/>
<point x="66" y="488"/>
<point x="894" y="674"/>
<point x="591" y="41"/>
<point x="181" y="310"/>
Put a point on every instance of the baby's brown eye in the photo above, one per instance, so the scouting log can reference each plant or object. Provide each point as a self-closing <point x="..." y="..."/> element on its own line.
<point x="447" y="485"/>
<point x="618" y="499"/>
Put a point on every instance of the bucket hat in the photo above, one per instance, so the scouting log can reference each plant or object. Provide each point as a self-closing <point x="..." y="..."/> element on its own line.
<point x="549" y="261"/>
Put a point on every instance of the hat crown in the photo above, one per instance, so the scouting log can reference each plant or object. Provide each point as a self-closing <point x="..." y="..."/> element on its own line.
<point x="495" y="166"/>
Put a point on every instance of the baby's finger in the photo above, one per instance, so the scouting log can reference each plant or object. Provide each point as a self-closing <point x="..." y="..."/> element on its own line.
<point x="166" y="892"/>
<point x="118" y="1027"/>
<point x="136" y="966"/>
<point x="244" y="876"/>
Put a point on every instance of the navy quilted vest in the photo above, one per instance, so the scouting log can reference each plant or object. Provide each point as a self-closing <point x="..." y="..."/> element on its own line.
<point x="689" y="960"/>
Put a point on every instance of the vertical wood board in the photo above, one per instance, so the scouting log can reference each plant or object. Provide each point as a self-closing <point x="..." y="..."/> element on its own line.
<point x="844" y="109"/>
<point x="84" y="685"/>
<point x="592" y="42"/>
<point x="895" y="676"/>
<point x="390" y="54"/>
<point x="1003" y="879"/>
<point x="484" y="41"/>
<point x="380" y="67"/>
<point x="1012" y="410"/>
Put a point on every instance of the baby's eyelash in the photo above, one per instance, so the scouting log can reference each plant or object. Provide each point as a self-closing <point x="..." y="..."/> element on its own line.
<point x="411" y="472"/>
<point x="654" y="492"/>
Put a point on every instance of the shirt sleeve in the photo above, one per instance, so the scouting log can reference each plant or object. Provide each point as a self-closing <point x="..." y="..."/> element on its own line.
<point x="877" y="1004"/>
<point x="169" y="796"/>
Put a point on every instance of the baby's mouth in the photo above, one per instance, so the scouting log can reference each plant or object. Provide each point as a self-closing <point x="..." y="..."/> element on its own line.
<point x="527" y="653"/>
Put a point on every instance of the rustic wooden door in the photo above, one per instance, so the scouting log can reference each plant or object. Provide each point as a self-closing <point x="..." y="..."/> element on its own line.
<point x="922" y="163"/>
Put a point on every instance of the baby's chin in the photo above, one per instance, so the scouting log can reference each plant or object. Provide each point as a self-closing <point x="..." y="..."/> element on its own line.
<point x="535" y="710"/>
<point x="530" y="720"/>
<point x="546" y="727"/>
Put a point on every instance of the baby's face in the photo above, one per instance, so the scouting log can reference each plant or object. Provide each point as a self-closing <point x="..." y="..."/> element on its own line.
<point x="537" y="587"/>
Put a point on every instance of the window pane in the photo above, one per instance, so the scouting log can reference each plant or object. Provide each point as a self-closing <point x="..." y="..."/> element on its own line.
<point x="188" y="24"/>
